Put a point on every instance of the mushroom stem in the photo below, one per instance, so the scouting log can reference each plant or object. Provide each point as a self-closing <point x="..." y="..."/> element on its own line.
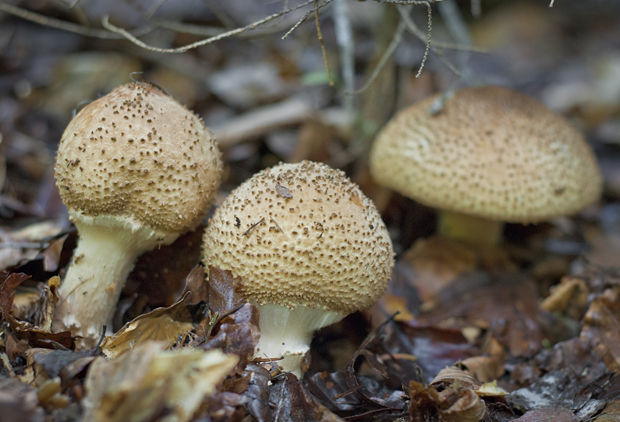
<point x="475" y="230"/>
<point x="287" y="333"/>
<point x="103" y="259"/>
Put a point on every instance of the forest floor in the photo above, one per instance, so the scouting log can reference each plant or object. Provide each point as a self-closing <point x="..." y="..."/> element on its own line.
<point x="527" y="331"/>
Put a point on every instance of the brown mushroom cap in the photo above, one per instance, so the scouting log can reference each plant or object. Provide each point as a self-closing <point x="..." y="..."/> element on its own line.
<point x="490" y="152"/>
<point x="138" y="155"/>
<point x="301" y="234"/>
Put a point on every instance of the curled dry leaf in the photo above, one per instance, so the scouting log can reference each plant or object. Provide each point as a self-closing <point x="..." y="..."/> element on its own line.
<point x="163" y="324"/>
<point x="148" y="383"/>
<point x="456" y="403"/>
<point x="452" y="375"/>
<point x="8" y="284"/>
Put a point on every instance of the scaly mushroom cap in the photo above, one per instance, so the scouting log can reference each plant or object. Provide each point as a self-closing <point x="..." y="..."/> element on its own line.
<point x="138" y="156"/>
<point x="490" y="152"/>
<point x="301" y="234"/>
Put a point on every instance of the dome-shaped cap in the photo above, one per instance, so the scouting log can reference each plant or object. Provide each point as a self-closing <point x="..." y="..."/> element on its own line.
<point x="139" y="156"/>
<point x="490" y="152"/>
<point x="301" y="234"/>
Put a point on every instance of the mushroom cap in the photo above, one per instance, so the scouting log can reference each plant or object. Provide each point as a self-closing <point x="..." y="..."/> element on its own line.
<point x="138" y="156"/>
<point x="490" y="152"/>
<point x="301" y="234"/>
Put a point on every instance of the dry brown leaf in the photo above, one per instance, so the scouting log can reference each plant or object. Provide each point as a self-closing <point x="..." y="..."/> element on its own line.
<point x="392" y="304"/>
<point x="222" y="294"/>
<point x="438" y="261"/>
<point x="490" y="367"/>
<point x="8" y="284"/>
<point x="164" y="324"/>
<point x="451" y="375"/>
<point x="601" y="326"/>
<point x="490" y="389"/>
<point x="148" y="383"/>
<point x="570" y="289"/>
<point x="468" y="408"/>
<point x="195" y="286"/>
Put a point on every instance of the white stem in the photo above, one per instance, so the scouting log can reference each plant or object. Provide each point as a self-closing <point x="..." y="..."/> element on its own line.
<point x="287" y="333"/>
<point x="103" y="259"/>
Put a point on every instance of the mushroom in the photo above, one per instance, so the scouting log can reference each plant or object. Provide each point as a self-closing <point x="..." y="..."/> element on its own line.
<point x="489" y="155"/>
<point x="304" y="245"/>
<point x="135" y="169"/>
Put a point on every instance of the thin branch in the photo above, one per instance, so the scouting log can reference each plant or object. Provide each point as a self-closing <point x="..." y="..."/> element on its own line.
<point x="68" y="26"/>
<point x="396" y="39"/>
<point x="428" y="40"/>
<point x="412" y="27"/>
<point x="105" y="22"/>
<point x="305" y="16"/>
<point x="320" y="37"/>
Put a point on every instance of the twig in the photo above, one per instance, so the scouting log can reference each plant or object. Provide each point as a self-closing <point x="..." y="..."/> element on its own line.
<point x="68" y="26"/>
<point x="304" y="17"/>
<point x="254" y="225"/>
<point x="106" y="24"/>
<point x="396" y="39"/>
<point x="428" y="40"/>
<point x="413" y="28"/>
<point x="319" y="35"/>
<point x="277" y="225"/>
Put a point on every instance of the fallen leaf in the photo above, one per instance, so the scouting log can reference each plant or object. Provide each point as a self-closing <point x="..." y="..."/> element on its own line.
<point x="196" y="287"/>
<point x="51" y="255"/>
<point x="149" y="383"/>
<point x="222" y="294"/>
<point x="161" y="324"/>
<point x="237" y="334"/>
<point x="8" y="284"/>
<point x="601" y="326"/>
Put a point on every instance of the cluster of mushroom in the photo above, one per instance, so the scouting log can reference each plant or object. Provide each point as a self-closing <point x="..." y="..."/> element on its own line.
<point x="136" y="169"/>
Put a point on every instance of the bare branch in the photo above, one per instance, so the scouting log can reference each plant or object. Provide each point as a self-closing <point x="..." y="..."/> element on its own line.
<point x="68" y="26"/>
<point x="396" y="39"/>
<point x="428" y="40"/>
<point x="320" y="37"/>
<point x="305" y="16"/>
<point x="105" y="22"/>
<point x="412" y="27"/>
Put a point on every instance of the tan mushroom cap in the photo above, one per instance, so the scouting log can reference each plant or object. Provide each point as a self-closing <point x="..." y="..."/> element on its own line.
<point x="490" y="152"/>
<point x="301" y="234"/>
<point x="138" y="155"/>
